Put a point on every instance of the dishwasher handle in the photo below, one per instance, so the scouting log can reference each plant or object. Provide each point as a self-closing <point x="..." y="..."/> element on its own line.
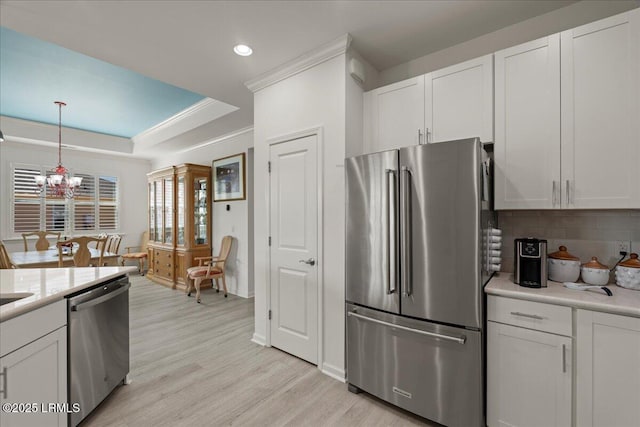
<point x="101" y="299"/>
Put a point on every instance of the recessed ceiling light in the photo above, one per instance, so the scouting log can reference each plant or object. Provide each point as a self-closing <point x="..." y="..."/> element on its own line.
<point x="242" y="50"/>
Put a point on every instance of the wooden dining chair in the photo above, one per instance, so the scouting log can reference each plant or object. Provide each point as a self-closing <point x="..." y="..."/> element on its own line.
<point x="210" y="267"/>
<point x="5" y="259"/>
<point x="113" y="243"/>
<point x="137" y="256"/>
<point x="42" y="244"/>
<point x="81" y="254"/>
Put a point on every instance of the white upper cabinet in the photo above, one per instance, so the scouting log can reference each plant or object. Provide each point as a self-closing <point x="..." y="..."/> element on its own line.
<point x="527" y="140"/>
<point x="601" y="113"/>
<point x="452" y="103"/>
<point x="459" y="101"/>
<point x="568" y="119"/>
<point x="394" y="115"/>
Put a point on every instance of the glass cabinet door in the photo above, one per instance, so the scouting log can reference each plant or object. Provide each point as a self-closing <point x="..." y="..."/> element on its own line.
<point x="159" y="213"/>
<point x="152" y="212"/>
<point x="181" y="209"/>
<point x="168" y="210"/>
<point x="200" y="211"/>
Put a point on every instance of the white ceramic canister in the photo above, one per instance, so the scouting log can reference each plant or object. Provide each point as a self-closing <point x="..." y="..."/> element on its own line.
<point x="628" y="273"/>
<point x="562" y="266"/>
<point x="595" y="273"/>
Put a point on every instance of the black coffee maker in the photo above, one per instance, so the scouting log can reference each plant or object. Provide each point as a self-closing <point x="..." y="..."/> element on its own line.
<point x="530" y="262"/>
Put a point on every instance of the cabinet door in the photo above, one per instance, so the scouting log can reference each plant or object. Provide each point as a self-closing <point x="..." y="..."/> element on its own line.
<point x="459" y="101"/>
<point x="527" y="143"/>
<point x="36" y="374"/>
<point x="600" y="113"/>
<point x="528" y="377"/>
<point x="394" y="115"/>
<point x="608" y="370"/>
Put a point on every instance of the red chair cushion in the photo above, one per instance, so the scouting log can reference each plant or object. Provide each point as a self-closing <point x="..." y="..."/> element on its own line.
<point x="202" y="271"/>
<point x="135" y="255"/>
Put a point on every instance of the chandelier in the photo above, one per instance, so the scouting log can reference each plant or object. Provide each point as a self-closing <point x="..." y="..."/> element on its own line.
<point x="59" y="182"/>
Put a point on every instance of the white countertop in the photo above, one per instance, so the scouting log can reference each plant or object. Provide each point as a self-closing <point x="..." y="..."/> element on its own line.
<point x="48" y="285"/>
<point x="624" y="301"/>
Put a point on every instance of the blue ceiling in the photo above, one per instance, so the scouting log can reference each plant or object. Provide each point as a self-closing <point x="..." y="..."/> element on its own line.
<point x="100" y="97"/>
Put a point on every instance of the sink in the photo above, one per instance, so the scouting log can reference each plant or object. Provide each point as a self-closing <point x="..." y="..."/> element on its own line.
<point x="7" y="298"/>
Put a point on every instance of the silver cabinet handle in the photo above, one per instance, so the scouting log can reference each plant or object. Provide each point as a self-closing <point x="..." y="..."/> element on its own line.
<point x="564" y="358"/>
<point x="391" y="273"/>
<point x="405" y="232"/>
<point x="459" y="340"/>
<point x="419" y="136"/>
<point x="427" y="135"/>
<point x="530" y="316"/>
<point x="309" y="261"/>
<point x="568" y="190"/>
<point x="553" y="194"/>
<point x="4" y="382"/>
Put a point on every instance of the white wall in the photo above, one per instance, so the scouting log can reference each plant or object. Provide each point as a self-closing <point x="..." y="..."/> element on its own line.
<point x="132" y="182"/>
<point x="234" y="222"/>
<point x="310" y="99"/>
<point x="355" y="106"/>
<point x="549" y="23"/>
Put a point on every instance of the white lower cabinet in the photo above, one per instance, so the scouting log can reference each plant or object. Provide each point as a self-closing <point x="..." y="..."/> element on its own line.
<point x="33" y="384"/>
<point x="608" y="370"/>
<point x="528" y="371"/>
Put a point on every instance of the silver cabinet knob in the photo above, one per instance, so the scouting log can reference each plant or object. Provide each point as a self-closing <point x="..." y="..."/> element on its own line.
<point x="309" y="261"/>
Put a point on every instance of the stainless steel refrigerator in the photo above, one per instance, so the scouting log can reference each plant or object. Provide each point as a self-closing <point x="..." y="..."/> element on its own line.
<point x="415" y="270"/>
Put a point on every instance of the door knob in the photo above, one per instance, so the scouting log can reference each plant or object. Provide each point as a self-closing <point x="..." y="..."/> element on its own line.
<point x="309" y="261"/>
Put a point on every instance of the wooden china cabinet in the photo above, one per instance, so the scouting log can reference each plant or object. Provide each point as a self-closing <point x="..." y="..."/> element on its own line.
<point x="179" y="221"/>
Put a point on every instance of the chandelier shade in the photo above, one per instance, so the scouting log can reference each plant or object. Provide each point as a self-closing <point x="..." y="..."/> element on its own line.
<point x="59" y="182"/>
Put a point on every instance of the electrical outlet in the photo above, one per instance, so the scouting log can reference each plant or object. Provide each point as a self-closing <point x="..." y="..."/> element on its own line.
<point x="622" y="246"/>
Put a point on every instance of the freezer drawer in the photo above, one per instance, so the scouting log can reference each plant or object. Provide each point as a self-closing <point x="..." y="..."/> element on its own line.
<point x="432" y="370"/>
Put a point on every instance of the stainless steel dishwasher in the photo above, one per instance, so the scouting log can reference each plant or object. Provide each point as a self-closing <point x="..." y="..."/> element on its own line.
<point x="98" y="327"/>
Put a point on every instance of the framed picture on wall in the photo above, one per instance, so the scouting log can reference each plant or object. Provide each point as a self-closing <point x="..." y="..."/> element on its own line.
<point x="229" y="178"/>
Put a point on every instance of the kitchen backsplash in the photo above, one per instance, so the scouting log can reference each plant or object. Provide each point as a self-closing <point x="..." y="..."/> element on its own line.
<point x="585" y="233"/>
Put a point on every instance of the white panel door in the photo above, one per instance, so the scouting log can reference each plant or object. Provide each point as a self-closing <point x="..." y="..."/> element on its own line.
<point x="459" y="101"/>
<point x="601" y="113"/>
<point x="608" y="370"/>
<point x="394" y="115"/>
<point x="528" y="377"/>
<point x="293" y="230"/>
<point x="36" y="374"/>
<point x="527" y="143"/>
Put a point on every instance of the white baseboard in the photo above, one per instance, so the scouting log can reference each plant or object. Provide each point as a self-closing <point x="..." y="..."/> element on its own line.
<point x="334" y="372"/>
<point x="259" y="339"/>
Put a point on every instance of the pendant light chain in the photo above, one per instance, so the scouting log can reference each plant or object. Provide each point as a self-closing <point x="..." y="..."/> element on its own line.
<point x="60" y="183"/>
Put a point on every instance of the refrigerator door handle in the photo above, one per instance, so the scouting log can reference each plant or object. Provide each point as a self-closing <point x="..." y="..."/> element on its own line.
<point x="459" y="340"/>
<point x="391" y="275"/>
<point x="405" y="232"/>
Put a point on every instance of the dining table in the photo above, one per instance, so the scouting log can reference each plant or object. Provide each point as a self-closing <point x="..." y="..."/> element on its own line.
<point x="49" y="258"/>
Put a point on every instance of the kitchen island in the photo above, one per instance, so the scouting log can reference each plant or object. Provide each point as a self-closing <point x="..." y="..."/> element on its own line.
<point x="43" y="286"/>
<point x="34" y="335"/>
<point x="572" y="355"/>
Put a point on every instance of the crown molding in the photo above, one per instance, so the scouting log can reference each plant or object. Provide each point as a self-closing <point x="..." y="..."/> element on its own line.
<point x="304" y="62"/>
<point x="198" y="114"/>
<point x="30" y="132"/>
<point x="217" y="140"/>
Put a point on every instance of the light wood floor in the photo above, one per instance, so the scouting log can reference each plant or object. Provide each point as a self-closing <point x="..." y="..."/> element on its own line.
<point x="194" y="365"/>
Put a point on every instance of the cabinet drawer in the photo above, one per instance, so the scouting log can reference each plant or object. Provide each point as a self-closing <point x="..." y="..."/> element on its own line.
<point x="163" y="269"/>
<point x="528" y="314"/>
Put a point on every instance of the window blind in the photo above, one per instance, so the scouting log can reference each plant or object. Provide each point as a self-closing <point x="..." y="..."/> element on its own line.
<point x="95" y="205"/>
